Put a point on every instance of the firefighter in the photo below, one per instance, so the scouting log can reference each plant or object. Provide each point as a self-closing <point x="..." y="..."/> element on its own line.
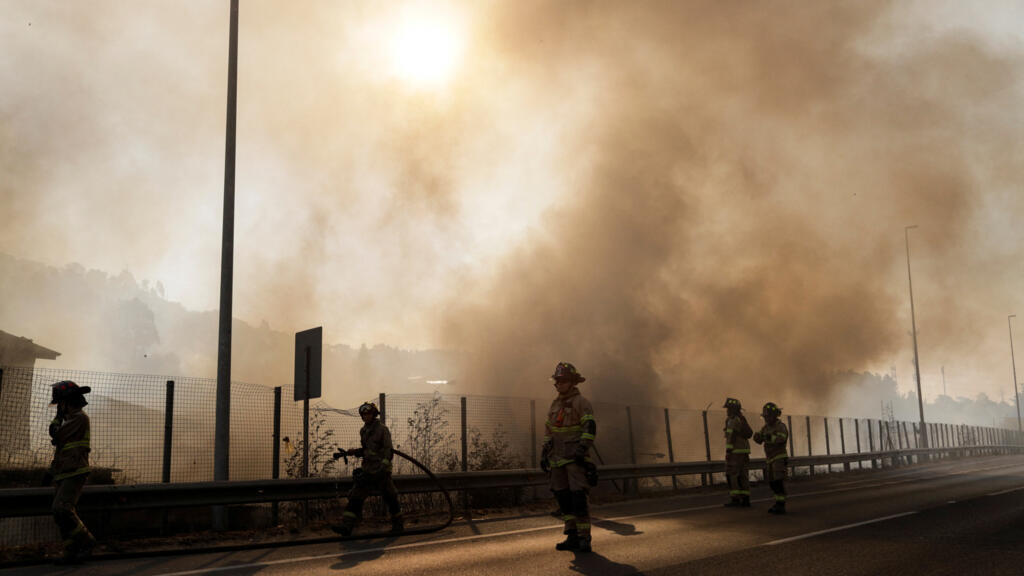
<point x="69" y="433"/>
<point x="774" y="436"/>
<point x="737" y="454"/>
<point x="569" y="434"/>
<point x="374" y="475"/>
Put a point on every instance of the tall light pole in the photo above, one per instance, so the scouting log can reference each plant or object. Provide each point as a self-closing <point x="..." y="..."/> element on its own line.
<point x="1013" y="363"/>
<point x="913" y="327"/>
<point x="222" y="430"/>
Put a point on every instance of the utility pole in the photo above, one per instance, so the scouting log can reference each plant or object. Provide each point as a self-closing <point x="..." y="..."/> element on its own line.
<point x="222" y="431"/>
<point x="1013" y="363"/>
<point x="913" y="327"/>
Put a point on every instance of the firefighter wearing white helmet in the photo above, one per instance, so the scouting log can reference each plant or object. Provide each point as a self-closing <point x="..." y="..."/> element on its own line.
<point x="569" y="433"/>
<point x="737" y="454"/>
<point x="774" y="436"/>
<point x="374" y="475"/>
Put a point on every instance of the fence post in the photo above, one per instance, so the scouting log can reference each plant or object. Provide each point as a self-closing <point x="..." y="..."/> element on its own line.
<point x="465" y="457"/>
<point x="828" y="446"/>
<point x="382" y="400"/>
<point x="871" y="443"/>
<point x="792" y="452"/>
<point x="533" y="434"/>
<point x="275" y="465"/>
<point x="671" y="455"/>
<point x="168" y="430"/>
<point x="856" y="432"/>
<point x="809" y="452"/>
<point x="632" y="482"/>
<point x="710" y="478"/>
<point x="842" y="444"/>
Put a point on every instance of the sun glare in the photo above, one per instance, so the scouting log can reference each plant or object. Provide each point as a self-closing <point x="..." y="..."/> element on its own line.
<point x="425" y="52"/>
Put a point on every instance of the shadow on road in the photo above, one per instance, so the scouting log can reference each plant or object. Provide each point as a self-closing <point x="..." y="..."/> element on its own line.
<point x="348" y="559"/>
<point x="618" y="527"/>
<point x="593" y="564"/>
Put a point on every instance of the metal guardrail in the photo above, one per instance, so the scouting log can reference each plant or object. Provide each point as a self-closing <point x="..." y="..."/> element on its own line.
<point x="19" y="502"/>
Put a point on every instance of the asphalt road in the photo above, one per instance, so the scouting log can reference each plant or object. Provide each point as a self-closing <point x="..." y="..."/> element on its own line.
<point x="960" y="517"/>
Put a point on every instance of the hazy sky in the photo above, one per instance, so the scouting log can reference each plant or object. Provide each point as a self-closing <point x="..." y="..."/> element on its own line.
<point x="689" y="194"/>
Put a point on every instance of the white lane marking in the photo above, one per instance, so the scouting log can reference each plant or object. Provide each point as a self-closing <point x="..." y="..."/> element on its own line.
<point x="1001" y="492"/>
<point x="837" y="529"/>
<point x="540" y="528"/>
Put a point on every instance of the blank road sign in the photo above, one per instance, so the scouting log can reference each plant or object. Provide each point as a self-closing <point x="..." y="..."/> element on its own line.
<point x="308" y="358"/>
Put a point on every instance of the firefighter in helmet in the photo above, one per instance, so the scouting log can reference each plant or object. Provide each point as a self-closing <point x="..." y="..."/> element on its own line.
<point x="737" y="454"/>
<point x="774" y="436"/>
<point x="69" y="434"/>
<point x="373" y="476"/>
<point x="569" y="434"/>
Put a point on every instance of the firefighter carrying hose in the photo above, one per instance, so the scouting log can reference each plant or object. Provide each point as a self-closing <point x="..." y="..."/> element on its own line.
<point x="774" y="436"/>
<point x="570" y="431"/>
<point x="69" y="433"/>
<point x="374" y="475"/>
<point x="737" y="454"/>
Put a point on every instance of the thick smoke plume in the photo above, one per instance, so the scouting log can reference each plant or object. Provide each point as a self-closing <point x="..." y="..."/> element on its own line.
<point x="741" y="178"/>
<point x="686" y="199"/>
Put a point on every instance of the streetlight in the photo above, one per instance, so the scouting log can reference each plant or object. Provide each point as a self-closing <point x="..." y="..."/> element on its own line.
<point x="1013" y="363"/>
<point x="222" y="425"/>
<point x="913" y="327"/>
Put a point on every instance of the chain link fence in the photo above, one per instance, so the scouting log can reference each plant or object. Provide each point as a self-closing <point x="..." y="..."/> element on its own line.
<point x="148" y="429"/>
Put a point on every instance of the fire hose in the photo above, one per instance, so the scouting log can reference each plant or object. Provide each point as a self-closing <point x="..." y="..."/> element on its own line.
<point x="341" y="454"/>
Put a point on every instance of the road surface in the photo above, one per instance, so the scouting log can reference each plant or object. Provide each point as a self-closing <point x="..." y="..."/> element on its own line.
<point x="959" y="517"/>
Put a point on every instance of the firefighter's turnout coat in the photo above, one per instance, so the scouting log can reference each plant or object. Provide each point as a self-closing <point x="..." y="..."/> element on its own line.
<point x="570" y="424"/>
<point x="774" y="437"/>
<point x="71" y="445"/>
<point x="375" y="439"/>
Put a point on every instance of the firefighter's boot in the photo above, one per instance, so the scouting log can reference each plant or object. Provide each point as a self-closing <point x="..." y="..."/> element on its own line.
<point x="571" y="542"/>
<point x="397" y="525"/>
<point x="778" y="508"/>
<point x="734" y="502"/>
<point x="745" y="501"/>
<point x="584" y="544"/>
<point x="85" y="547"/>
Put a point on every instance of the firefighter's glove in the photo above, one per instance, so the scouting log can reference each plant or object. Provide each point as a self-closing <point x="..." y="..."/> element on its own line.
<point x="54" y="426"/>
<point x="545" y="465"/>
<point x="758" y="437"/>
<point x="580" y="454"/>
<point x="590" y="472"/>
<point x="357" y="452"/>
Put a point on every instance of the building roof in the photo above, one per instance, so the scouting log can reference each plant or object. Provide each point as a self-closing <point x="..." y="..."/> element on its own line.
<point x="26" y="346"/>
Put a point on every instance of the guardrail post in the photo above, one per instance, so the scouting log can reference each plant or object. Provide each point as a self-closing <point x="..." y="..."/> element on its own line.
<point x="789" y="421"/>
<point x="533" y="434"/>
<point x="275" y="452"/>
<point x="709" y="479"/>
<point x="856" y="432"/>
<point x="809" y="452"/>
<point x="842" y="444"/>
<point x="671" y="455"/>
<point x="168" y="430"/>
<point x="383" y="408"/>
